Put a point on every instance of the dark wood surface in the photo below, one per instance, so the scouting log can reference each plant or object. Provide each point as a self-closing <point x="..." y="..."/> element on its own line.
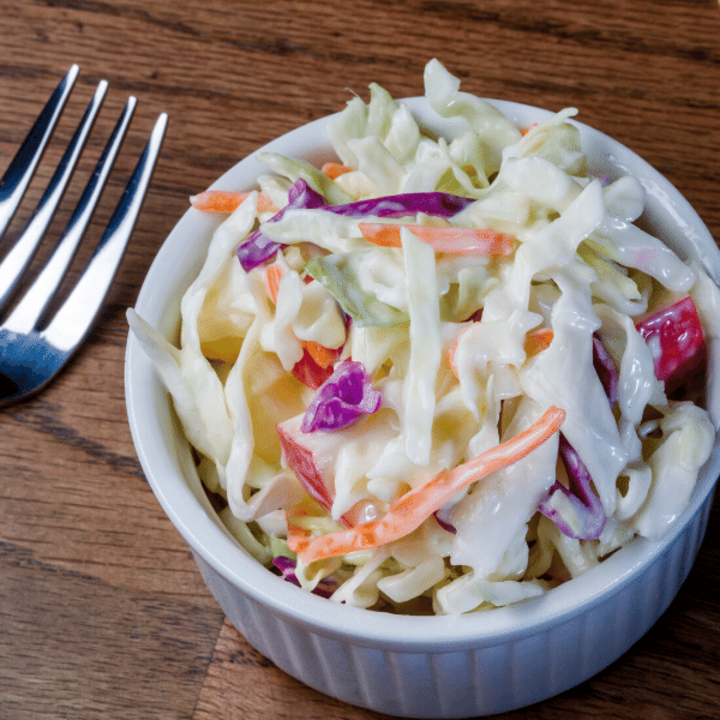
<point x="103" y="613"/>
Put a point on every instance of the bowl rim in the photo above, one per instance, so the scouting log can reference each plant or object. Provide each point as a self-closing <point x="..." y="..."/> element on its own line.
<point x="145" y="397"/>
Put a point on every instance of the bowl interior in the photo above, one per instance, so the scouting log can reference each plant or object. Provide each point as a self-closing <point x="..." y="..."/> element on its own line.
<point x="166" y="459"/>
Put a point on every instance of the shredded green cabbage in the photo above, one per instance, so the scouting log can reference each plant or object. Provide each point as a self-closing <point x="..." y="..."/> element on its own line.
<point x="466" y="352"/>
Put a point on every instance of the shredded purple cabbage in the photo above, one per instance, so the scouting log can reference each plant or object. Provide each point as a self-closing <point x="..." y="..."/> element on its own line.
<point x="391" y="206"/>
<point x="345" y="396"/>
<point x="444" y="522"/>
<point x="286" y="566"/>
<point x="258" y="248"/>
<point x="325" y="588"/>
<point x="586" y="505"/>
<point x="606" y="369"/>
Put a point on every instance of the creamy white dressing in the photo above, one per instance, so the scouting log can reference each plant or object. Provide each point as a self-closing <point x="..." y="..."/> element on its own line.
<point x="465" y="350"/>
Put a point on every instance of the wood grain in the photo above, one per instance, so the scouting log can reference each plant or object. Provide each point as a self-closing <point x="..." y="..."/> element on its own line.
<point x="103" y="613"/>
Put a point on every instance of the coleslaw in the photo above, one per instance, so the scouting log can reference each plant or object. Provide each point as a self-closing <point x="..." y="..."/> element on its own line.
<point x="440" y="375"/>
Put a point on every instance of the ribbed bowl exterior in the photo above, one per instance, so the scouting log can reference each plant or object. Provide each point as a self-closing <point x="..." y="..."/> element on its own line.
<point x="473" y="681"/>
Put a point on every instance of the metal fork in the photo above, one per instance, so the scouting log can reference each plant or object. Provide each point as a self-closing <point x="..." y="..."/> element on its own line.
<point x="33" y="351"/>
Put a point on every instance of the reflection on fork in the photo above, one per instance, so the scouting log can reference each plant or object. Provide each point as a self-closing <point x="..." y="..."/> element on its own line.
<point x="32" y="354"/>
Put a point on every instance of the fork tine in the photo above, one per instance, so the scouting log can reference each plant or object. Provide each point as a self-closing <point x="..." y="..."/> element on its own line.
<point x="30" y="308"/>
<point x="22" y="167"/>
<point x="73" y="320"/>
<point x="18" y="258"/>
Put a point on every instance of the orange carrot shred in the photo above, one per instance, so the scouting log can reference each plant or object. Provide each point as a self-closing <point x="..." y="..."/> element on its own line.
<point x="412" y="509"/>
<point x="273" y="275"/>
<point x="226" y="201"/>
<point x="526" y="130"/>
<point x="447" y="239"/>
<point x="335" y="170"/>
<point x="323" y="356"/>
<point x="537" y="341"/>
<point x="298" y="538"/>
<point x="265" y="204"/>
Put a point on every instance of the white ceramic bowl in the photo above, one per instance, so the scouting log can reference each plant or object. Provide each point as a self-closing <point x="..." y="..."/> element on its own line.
<point x="429" y="667"/>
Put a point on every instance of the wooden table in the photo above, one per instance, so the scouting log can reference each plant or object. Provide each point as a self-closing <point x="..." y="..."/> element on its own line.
<point x="103" y="613"/>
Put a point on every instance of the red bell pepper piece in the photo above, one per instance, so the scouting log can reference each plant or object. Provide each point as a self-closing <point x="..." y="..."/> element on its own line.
<point x="309" y="372"/>
<point x="675" y="338"/>
<point x="301" y="455"/>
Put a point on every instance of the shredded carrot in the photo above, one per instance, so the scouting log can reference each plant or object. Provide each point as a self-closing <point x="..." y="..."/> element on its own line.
<point x="412" y="509"/>
<point x="323" y="356"/>
<point x="537" y="341"/>
<point x="298" y="538"/>
<point x="225" y="201"/>
<point x="447" y="239"/>
<point x="273" y="275"/>
<point x="526" y="130"/>
<point x="335" y="170"/>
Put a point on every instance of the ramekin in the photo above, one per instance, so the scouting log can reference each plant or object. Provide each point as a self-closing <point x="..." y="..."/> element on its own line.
<point x="422" y="667"/>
